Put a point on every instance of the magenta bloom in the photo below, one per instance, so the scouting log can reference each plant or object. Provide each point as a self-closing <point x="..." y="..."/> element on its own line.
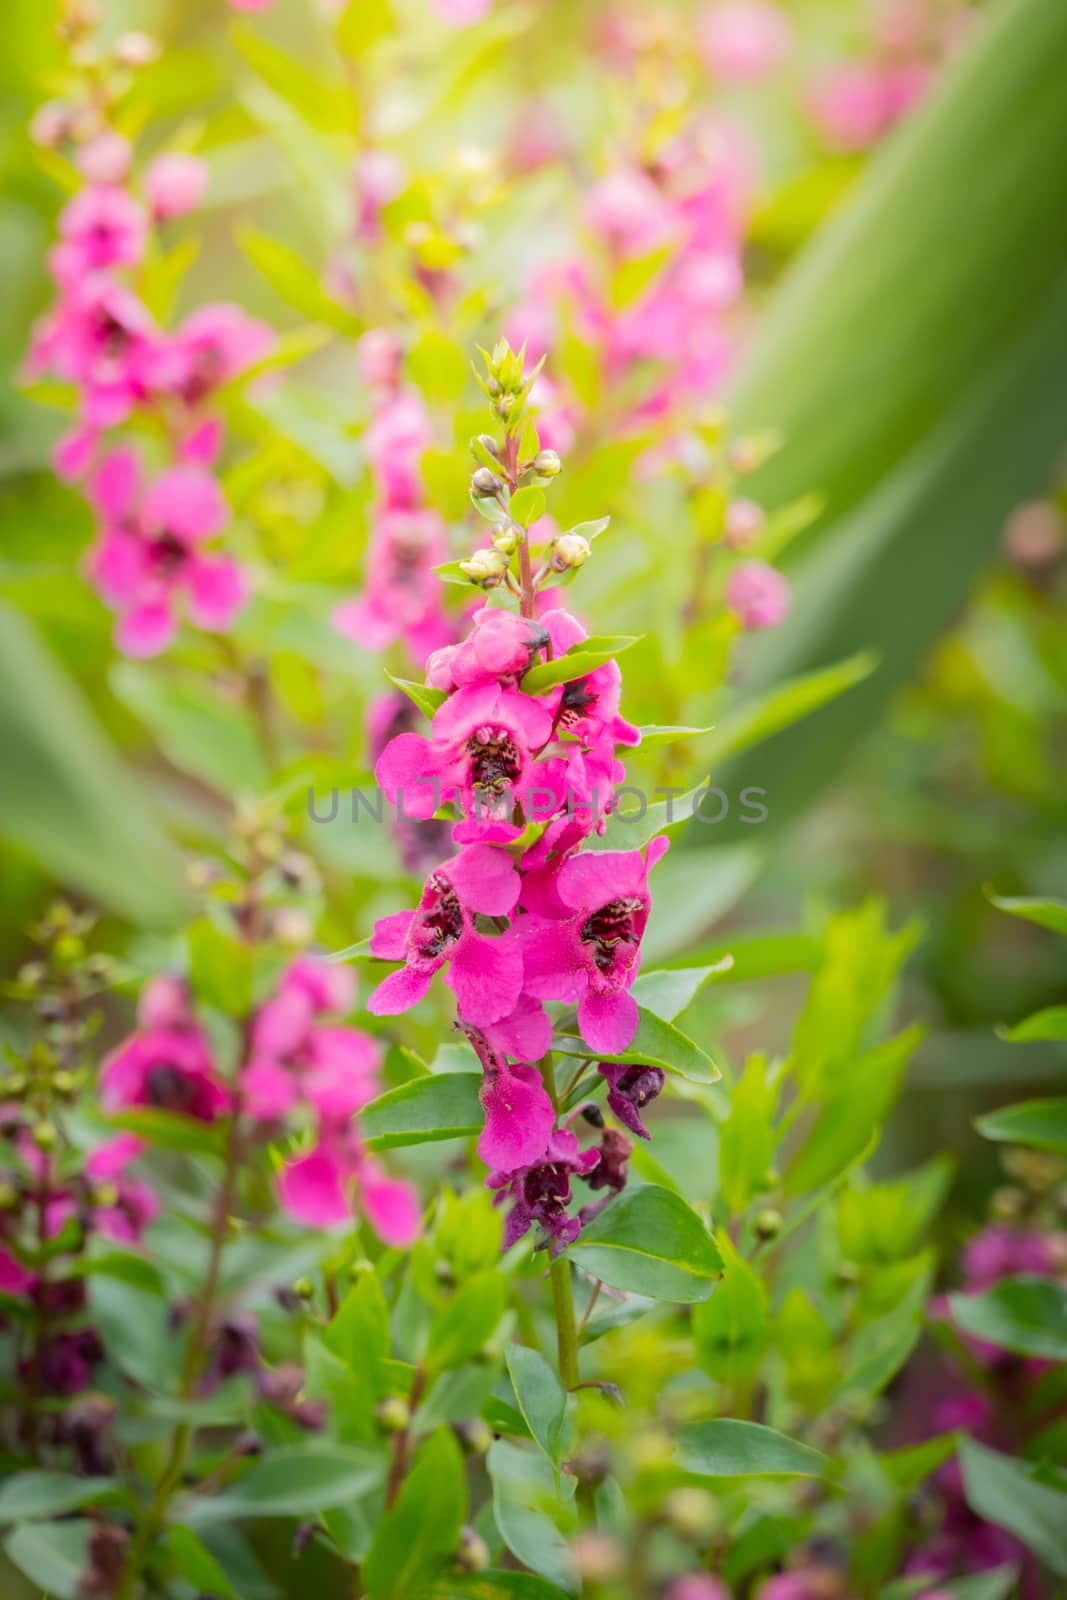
<point x="757" y="595"/>
<point x="743" y="41"/>
<point x="480" y="754"/>
<point x="214" y="345"/>
<point x="323" y="1187"/>
<point x="167" y="1065"/>
<point x="519" y="1116"/>
<point x="174" y="184"/>
<point x="149" y="555"/>
<point x="101" y="228"/>
<point x="698" y="1586"/>
<point x="461" y="13"/>
<point x="593" y="956"/>
<point x="541" y="1192"/>
<point x="135" y="1205"/>
<point x="587" y="709"/>
<point x="630" y="1089"/>
<point x="99" y="337"/>
<point x="997" y="1253"/>
<point x="484" y="974"/>
<point x="402" y="596"/>
<point x="297" y="1056"/>
<point x="500" y="647"/>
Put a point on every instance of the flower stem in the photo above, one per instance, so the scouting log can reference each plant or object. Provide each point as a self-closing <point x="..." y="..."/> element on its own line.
<point x="566" y="1332"/>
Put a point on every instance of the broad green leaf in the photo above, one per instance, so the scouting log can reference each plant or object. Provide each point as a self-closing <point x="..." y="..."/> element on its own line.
<point x="526" y="506"/>
<point x="421" y="694"/>
<point x="724" y="1448"/>
<point x="730" y="1329"/>
<point x="667" y="993"/>
<point x="197" y="1565"/>
<point x="650" y="1242"/>
<point x="542" y="1398"/>
<point x="169" y="1130"/>
<point x="654" y="734"/>
<point x="658" y="1044"/>
<point x="465" y="1324"/>
<point x="322" y="105"/>
<point x="420" y="1532"/>
<point x="531" y="1507"/>
<point x="359" y="1331"/>
<point x="443" y="1106"/>
<point x="1047" y="913"/>
<point x="200" y="731"/>
<point x="746" y="1138"/>
<point x="910" y="1467"/>
<point x="296" y="1481"/>
<point x="780" y="707"/>
<point x="1004" y="1492"/>
<point x="294" y="281"/>
<point x="53" y="1555"/>
<point x="1025" y="1315"/>
<point x="361" y="24"/>
<point x="66" y="798"/>
<point x="999" y="1584"/>
<point x="1048" y="1024"/>
<point x="580" y="660"/>
<point x="1040" y="1124"/>
<point x="135" y="1326"/>
<point x="29" y="1496"/>
<point x="934" y="451"/>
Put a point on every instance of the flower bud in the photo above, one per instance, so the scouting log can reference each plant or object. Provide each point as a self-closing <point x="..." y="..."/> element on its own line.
<point x="569" y="551"/>
<point x="486" y="484"/>
<point x="44" y="1135"/>
<point x="769" y="1223"/>
<point x="31" y="974"/>
<point x="1008" y="1203"/>
<point x="547" y="464"/>
<point x="597" y="1559"/>
<point x="488" y="444"/>
<point x="105" y="159"/>
<point x="303" y="1288"/>
<point x="692" y="1513"/>
<point x="50" y="124"/>
<point x="507" y="538"/>
<point x="486" y="568"/>
<point x="744" y="520"/>
<point x="175" y="184"/>
<point x="393" y="1413"/>
<point x="473" y="1553"/>
<point x="135" y="50"/>
<point x="65" y="1084"/>
<point x="358" y="1268"/>
<point x="291" y="927"/>
<point x="474" y="1435"/>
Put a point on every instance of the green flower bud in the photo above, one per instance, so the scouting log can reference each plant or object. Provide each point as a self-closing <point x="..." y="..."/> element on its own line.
<point x="547" y="464"/>
<point x="473" y="1552"/>
<point x="486" y="568"/>
<point x="393" y="1413"/>
<point x="486" y="484"/>
<point x="569" y="551"/>
<point x="769" y="1223"/>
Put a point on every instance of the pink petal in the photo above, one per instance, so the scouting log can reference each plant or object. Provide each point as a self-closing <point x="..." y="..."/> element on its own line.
<point x="404" y="770"/>
<point x="313" y="1188"/>
<point x="391" y="1207"/>
<point x="108" y="1160"/>
<point x="485" y="879"/>
<point x="526" y="1034"/>
<point x="552" y="959"/>
<point x="146" y="630"/>
<point x="187" y="502"/>
<point x="485" y="975"/>
<point x="518" y="1119"/>
<point x="14" y="1279"/>
<point x="399" y="992"/>
<point x="217" y="591"/>
<point x="268" y="1091"/>
<point x="607" y="1022"/>
<point x="389" y="939"/>
<point x="595" y="878"/>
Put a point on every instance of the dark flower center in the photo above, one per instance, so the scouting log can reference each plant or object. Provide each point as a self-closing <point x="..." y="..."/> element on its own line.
<point x="170" y="1089"/>
<point x="495" y="761"/>
<point x="440" y="924"/>
<point x="609" y="927"/>
<point x="168" y="554"/>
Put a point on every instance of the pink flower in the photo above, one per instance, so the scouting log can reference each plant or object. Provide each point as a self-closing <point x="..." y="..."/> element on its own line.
<point x="461" y="13"/>
<point x="481" y="754"/>
<point x="135" y="1205"/>
<point x="249" y="5"/>
<point x="379" y="178"/>
<point x="587" y="709"/>
<point x="14" y="1279"/>
<point x="323" y="1188"/>
<point x="743" y="41"/>
<point x="500" y="647"/>
<point x="758" y="595"/>
<point x="519" y="1116"/>
<point x="101" y="227"/>
<point x="166" y="1065"/>
<point x="215" y="344"/>
<point x="853" y="104"/>
<point x="105" y="159"/>
<point x="998" y="1252"/>
<point x="744" y="521"/>
<point x="485" y="974"/>
<point x="698" y="1586"/>
<point x="627" y="209"/>
<point x="175" y="183"/>
<point x="380" y="359"/>
<point x="541" y="1192"/>
<point x="402" y="597"/>
<point x="593" y="956"/>
<point x="630" y="1089"/>
<point x="99" y="337"/>
<point x="295" y="1055"/>
<point x="396" y="441"/>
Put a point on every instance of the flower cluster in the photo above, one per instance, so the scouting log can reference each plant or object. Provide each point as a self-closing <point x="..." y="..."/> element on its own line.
<point x="153" y="559"/>
<point x="520" y="914"/>
<point x="401" y="596"/>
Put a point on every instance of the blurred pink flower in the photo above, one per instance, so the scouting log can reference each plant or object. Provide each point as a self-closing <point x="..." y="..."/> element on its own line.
<point x="174" y="184"/>
<point x="744" y="41"/>
<point x="758" y="595"/>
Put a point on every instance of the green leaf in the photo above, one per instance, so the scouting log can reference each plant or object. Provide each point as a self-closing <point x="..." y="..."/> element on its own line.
<point x="322" y="105"/>
<point x="782" y="706"/>
<point x="747" y="1138"/>
<point x="442" y="1106"/>
<point x="650" y="1242"/>
<point x="420" y="1532"/>
<point x="200" y="731"/>
<point x="657" y="1044"/>
<point x="542" y="1398"/>
<point x="197" y="1565"/>
<point x="1047" y="913"/>
<point x="724" y="1448"/>
<point x="526" y="506"/>
<point x="220" y="968"/>
<point x="66" y="798"/>
<point x="633" y="276"/>
<point x="910" y="1467"/>
<point x="1048" y="1024"/>
<point x="464" y="1325"/>
<point x="1025" y="1315"/>
<point x="578" y="662"/>
<point x="361" y="24"/>
<point x="529" y="1506"/>
<point x="169" y="1130"/>
<point x="730" y="1329"/>
<point x="667" y="993"/>
<point x="52" y="1555"/>
<point x="591" y="530"/>
<point x="359" y="1331"/>
<point x="31" y="1495"/>
<point x="295" y="282"/>
<point x="657" y="733"/>
<point x="421" y="694"/>
<point x="298" y="1481"/>
<point x="495" y="1584"/>
<point x="1004" y="1492"/>
<point x="1040" y="1124"/>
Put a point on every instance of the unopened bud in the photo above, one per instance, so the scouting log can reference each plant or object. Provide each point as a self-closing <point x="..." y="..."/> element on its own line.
<point x="65" y="1083"/>
<point x="507" y="538"/>
<point x="291" y="927"/>
<point x="44" y="1135"/>
<point x="475" y="1435"/>
<point x="304" y="1288"/>
<point x="485" y="568"/>
<point x="135" y="50"/>
<point x="486" y="484"/>
<point x="593" y="1115"/>
<point x="1008" y="1203"/>
<point x="488" y="444"/>
<point x="31" y="974"/>
<point x="393" y="1413"/>
<point x="691" y="1512"/>
<point x="547" y="464"/>
<point x="596" y="1558"/>
<point x="50" y="124"/>
<point x="744" y="520"/>
<point x="569" y="550"/>
<point x="359" y="1267"/>
<point x="769" y="1223"/>
<point x="473" y="1552"/>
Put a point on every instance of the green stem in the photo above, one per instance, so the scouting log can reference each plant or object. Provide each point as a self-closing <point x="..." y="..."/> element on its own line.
<point x="566" y="1332"/>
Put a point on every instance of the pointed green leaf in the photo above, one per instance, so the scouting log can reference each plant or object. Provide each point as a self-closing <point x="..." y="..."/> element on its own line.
<point x="444" y="1105"/>
<point x="724" y="1448"/>
<point x="650" y="1242"/>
